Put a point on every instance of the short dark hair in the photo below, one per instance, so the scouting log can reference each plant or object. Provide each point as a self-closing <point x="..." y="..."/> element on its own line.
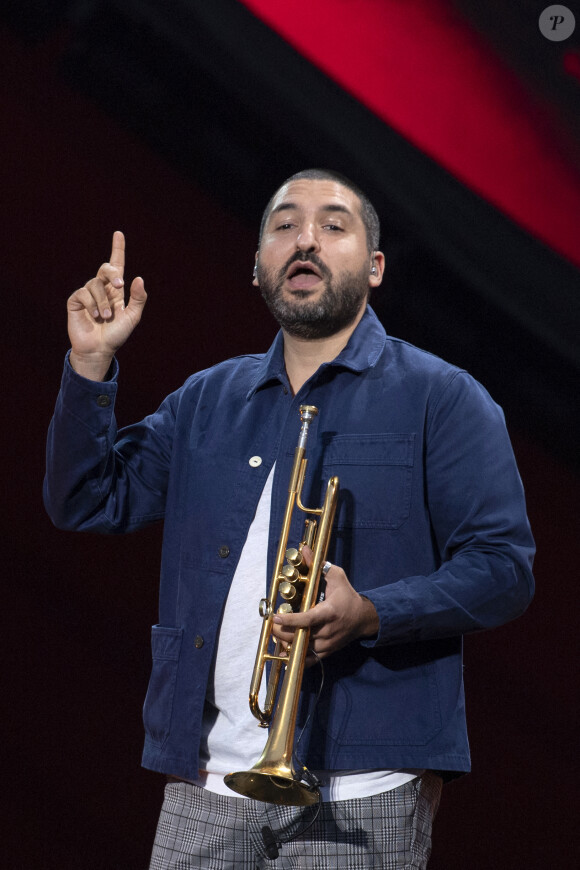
<point x="368" y="212"/>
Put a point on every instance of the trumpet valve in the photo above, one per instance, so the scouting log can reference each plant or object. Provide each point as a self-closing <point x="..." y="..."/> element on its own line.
<point x="294" y="556"/>
<point x="290" y="573"/>
<point x="287" y="590"/>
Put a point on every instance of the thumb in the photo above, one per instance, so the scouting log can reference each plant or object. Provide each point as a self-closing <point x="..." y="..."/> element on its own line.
<point x="137" y="299"/>
<point x="137" y="292"/>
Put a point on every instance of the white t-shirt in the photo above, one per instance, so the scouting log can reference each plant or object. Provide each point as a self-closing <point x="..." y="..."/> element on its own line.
<point x="231" y="739"/>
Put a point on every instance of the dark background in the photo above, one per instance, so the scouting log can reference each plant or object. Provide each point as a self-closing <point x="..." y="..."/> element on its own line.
<point x="116" y="119"/>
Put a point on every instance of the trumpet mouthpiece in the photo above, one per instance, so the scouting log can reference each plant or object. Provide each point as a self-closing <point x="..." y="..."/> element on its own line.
<point x="308" y="413"/>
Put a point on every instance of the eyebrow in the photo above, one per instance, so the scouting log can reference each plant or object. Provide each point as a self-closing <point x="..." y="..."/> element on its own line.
<point x="331" y="207"/>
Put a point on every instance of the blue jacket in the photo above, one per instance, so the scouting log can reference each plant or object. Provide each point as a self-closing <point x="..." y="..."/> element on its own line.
<point x="431" y="526"/>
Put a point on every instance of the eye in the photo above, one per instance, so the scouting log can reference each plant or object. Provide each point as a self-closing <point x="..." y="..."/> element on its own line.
<point x="285" y="227"/>
<point x="333" y="227"/>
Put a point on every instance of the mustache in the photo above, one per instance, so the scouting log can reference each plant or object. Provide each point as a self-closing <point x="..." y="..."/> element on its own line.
<point x="301" y="257"/>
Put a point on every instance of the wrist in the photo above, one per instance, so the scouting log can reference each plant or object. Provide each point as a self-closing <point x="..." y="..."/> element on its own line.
<point x="94" y="367"/>
<point x="370" y="622"/>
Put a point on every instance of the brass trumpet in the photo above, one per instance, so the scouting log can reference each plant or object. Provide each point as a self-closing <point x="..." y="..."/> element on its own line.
<point x="273" y="778"/>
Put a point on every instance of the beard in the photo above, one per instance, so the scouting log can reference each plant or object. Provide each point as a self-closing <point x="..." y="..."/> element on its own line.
<point x="334" y="309"/>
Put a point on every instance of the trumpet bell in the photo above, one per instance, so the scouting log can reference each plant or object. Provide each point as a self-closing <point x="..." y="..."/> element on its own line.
<point x="276" y="787"/>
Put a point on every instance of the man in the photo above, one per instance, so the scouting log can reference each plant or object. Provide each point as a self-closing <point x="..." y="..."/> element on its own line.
<point x="431" y="541"/>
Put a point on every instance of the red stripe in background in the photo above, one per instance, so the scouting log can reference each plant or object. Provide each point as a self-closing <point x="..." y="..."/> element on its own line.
<point x="421" y="68"/>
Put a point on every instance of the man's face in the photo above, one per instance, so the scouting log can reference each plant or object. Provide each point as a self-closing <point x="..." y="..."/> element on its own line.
<point x="314" y="266"/>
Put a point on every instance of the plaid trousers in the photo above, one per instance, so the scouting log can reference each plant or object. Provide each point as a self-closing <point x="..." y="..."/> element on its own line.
<point x="392" y="830"/>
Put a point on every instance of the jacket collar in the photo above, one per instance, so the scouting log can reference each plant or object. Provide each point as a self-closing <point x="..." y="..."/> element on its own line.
<point x="362" y="351"/>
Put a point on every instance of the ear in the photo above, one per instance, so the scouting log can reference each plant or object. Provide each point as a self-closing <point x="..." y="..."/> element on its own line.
<point x="378" y="268"/>
<point x="255" y="272"/>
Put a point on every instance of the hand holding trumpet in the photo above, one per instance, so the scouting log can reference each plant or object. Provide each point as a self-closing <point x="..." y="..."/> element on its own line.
<point x="342" y="617"/>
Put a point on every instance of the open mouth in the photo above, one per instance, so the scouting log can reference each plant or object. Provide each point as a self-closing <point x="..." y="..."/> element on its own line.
<point x="301" y="276"/>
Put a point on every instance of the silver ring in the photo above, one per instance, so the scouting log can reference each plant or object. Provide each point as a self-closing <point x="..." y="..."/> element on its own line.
<point x="326" y="568"/>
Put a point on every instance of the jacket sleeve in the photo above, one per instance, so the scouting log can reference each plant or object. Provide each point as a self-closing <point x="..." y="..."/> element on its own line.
<point x="479" y="527"/>
<point x="98" y="479"/>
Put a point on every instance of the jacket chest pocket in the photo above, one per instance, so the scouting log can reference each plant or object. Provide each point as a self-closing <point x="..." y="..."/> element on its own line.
<point x="376" y="476"/>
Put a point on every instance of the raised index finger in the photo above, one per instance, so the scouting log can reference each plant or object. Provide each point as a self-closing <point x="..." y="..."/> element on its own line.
<point x="118" y="251"/>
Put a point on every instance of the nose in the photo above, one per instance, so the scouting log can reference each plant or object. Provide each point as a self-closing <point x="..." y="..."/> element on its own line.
<point x="307" y="239"/>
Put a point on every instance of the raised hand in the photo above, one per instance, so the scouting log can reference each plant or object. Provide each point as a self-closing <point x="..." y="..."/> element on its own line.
<point x="99" y="322"/>
<point x="342" y="617"/>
